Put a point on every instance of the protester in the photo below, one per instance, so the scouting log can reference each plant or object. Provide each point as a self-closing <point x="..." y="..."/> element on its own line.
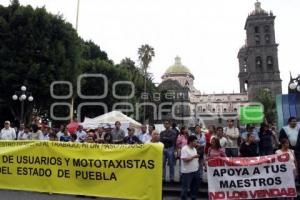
<point x="131" y="138"/>
<point x="190" y="169"/>
<point x="52" y="136"/>
<point x="265" y="143"/>
<point x="292" y="133"/>
<point x="232" y="134"/>
<point x="81" y="134"/>
<point x="215" y="150"/>
<point x="144" y="136"/>
<point x="249" y="129"/>
<point x="20" y="130"/>
<point x="7" y="133"/>
<point x="66" y="137"/>
<point x="73" y="138"/>
<point x="168" y="138"/>
<point x="181" y="141"/>
<point x="275" y="138"/>
<point x="60" y="132"/>
<point x="45" y="134"/>
<point x="221" y="137"/>
<point x="211" y="133"/>
<point x="175" y="129"/>
<point x="249" y="148"/>
<point x="201" y="141"/>
<point x="25" y="135"/>
<point x="285" y="144"/>
<point x="155" y="137"/>
<point x="117" y="133"/>
<point x="151" y="128"/>
<point x="107" y="139"/>
<point x="99" y="134"/>
<point x="36" y="132"/>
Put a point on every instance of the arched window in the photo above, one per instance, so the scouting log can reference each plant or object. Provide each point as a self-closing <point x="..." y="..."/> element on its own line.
<point x="256" y="29"/>
<point x="258" y="63"/>
<point x="245" y="65"/>
<point x="267" y="39"/>
<point x="270" y="63"/>
<point x="224" y="110"/>
<point x="266" y="29"/>
<point x="235" y="109"/>
<point x="257" y="39"/>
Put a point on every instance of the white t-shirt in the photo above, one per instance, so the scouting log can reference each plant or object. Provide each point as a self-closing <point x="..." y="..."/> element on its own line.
<point x="8" y="134"/>
<point x="190" y="166"/>
<point x="234" y="133"/>
<point x="292" y="134"/>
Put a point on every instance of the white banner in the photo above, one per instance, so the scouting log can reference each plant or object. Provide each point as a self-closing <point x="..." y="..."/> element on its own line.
<point x="251" y="178"/>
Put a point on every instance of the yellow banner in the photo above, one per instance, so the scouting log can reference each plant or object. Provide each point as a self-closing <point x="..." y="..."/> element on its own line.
<point x="120" y="171"/>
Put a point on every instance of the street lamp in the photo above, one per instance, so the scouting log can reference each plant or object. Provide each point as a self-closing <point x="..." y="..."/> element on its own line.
<point x="22" y="96"/>
<point x="294" y="85"/>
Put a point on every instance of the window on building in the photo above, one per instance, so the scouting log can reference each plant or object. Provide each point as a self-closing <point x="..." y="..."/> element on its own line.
<point x="267" y="29"/>
<point x="245" y="65"/>
<point x="224" y="110"/>
<point x="270" y="63"/>
<point x="213" y="110"/>
<point x="256" y="29"/>
<point x="257" y="39"/>
<point x="203" y="110"/>
<point x="235" y="109"/>
<point x="267" y="39"/>
<point x="258" y="63"/>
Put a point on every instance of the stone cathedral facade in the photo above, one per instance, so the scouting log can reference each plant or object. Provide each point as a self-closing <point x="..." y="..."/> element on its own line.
<point x="258" y="69"/>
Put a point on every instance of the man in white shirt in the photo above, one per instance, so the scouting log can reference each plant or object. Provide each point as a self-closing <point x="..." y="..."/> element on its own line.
<point x="292" y="133"/>
<point x="232" y="135"/>
<point x="144" y="136"/>
<point x="7" y="133"/>
<point x="81" y="134"/>
<point x="189" y="169"/>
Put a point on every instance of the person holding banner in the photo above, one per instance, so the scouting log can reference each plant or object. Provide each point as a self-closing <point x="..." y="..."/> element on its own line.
<point x="215" y="150"/>
<point x="285" y="149"/>
<point x="190" y="169"/>
<point x="292" y="133"/>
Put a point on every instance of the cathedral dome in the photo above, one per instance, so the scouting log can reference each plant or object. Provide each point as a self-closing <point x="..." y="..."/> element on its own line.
<point x="178" y="68"/>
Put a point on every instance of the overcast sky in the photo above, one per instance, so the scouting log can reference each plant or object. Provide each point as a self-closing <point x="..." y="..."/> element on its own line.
<point x="205" y="34"/>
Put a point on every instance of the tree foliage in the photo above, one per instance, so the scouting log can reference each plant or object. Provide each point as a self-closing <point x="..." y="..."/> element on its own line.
<point x="37" y="48"/>
<point x="265" y="97"/>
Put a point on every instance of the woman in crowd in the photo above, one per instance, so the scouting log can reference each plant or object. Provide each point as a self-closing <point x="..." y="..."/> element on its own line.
<point x="285" y="148"/>
<point x="181" y="141"/>
<point x="107" y="139"/>
<point x="249" y="148"/>
<point x="265" y="140"/>
<point x="36" y="132"/>
<point x="215" y="150"/>
<point x="208" y="136"/>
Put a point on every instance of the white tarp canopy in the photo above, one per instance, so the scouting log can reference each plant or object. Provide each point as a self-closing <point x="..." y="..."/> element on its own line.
<point x="109" y="119"/>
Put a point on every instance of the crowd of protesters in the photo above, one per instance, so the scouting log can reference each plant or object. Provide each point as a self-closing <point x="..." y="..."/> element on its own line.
<point x="190" y="147"/>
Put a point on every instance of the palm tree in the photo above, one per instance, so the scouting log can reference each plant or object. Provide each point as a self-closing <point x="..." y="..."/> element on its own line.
<point x="146" y="53"/>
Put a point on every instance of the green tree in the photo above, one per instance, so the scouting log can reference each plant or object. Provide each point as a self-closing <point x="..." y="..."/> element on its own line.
<point x="36" y="48"/>
<point x="146" y="53"/>
<point x="267" y="100"/>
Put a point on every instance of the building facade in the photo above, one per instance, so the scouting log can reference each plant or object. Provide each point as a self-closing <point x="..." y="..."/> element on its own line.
<point x="258" y="69"/>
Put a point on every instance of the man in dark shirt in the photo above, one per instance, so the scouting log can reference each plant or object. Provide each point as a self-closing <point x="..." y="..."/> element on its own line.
<point x="131" y="138"/>
<point x="249" y="148"/>
<point x="168" y="138"/>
